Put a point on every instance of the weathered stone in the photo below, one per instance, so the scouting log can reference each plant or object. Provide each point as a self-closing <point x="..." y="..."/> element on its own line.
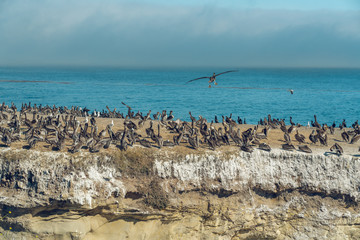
<point x="212" y="195"/>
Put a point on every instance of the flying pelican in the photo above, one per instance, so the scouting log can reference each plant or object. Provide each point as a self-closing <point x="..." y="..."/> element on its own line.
<point x="212" y="78"/>
<point x="291" y="91"/>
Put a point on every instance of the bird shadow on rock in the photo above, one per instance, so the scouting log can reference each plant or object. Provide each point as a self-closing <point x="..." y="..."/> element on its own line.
<point x="263" y="150"/>
<point x="27" y="147"/>
<point x="336" y="140"/>
<point x="55" y="149"/>
<point x="190" y="147"/>
<point x="4" y="146"/>
<point x="356" y="155"/>
<point x="329" y="153"/>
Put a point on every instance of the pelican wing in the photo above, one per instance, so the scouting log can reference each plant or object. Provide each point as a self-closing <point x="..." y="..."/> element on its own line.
<point x="225" y="72"/>
<point x="197" y="79"/>
<point x="125" y="105"/>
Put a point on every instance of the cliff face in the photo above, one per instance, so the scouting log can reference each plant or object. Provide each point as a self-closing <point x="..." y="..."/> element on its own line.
<point x="202" y="195"/>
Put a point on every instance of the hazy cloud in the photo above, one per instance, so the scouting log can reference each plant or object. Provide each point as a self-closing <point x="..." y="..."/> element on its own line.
<point x="146" y="34"/>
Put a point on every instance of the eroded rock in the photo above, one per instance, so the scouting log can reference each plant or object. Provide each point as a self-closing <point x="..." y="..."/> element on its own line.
<point x="207" y="195"/>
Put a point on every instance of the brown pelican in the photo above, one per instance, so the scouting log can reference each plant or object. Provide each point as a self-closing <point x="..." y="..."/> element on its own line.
<point x="156" y="116"/>
<point x="194" y="141"/>
<point x="193" y="119"/>
<point x="291" y="128"/>
<point x="283" y="128"/>
<point x="316" y="124"/>
<point x="159" y="139"/>
<point x="150" y="131"/>
<point x="291" y="121"/>
<point x="171" y="116"/>
<point x="287" y="138"/>
<point x="96" y="147"/>
<point x="145" y="143"/>
<point x="299" y="137"/>
<point x="255" y="141"/>
<point x="338" y="149"/>
<point x="323" y="139"/>
<point x="305" y="148"/>
<point x="261" y="135"/>
<point x="345" y="136"/>
<point x="313" y="137"/>
<point x="247" y="148"/>
<point x="8" y="136"/>
<point x="123" y="144"/>
<point x="355" y="139"/>
<point x="177" y="138"/>
<point x="76" y="147"/>
<point x="212" y="78"/>
<point x="288" y="146"/>
<point x="33" y="140"/>
<point x="265" y="147"/>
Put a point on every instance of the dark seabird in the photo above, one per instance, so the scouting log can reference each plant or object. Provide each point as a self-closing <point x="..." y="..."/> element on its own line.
<point x="288" y="146"/>
<point x="159" y="140"/>
<point x="265" y="147"/>
<point x="313" y="137"/>
<point x="145" y="143"/>
<point x="212" y="78"/>
<point x="194" y="141"/>
<point x="299" y="137"/>
<point x="287" y="138"/>
<point x="345" y="136"/>
<point x="247" y="148"/>
<point x="337" y="148"/>
<point x="355" y="139"/>
<point x="305" y="148"/>
<point x="316" y="124"/>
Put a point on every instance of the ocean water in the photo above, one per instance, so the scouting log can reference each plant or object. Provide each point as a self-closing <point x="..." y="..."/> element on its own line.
<point x="331" y="94"/>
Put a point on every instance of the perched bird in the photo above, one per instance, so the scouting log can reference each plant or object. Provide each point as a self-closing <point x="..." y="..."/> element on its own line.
<point x="265" y="147"/>
<point x="305" y="148"/>
<point x="299" y="137"/>
<point x="287" y="138"/>
<point x="355" y="139"/>
<point x="313" y="137"/>
<point x="288" y="146"/>
<point x="337" y="148"/>
<point x="345" y="136"/>
<point x="247" y="148"/>
<point x="145" y="143"/>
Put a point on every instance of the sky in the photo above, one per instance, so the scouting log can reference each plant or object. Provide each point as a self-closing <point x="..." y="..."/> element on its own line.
<point x="180" y="33"/>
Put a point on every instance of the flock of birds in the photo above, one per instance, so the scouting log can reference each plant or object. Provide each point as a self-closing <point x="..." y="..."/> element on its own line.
<point x="59" y="127"/>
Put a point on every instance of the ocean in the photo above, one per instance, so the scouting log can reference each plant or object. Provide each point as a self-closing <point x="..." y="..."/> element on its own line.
<point x="331" y="94"/>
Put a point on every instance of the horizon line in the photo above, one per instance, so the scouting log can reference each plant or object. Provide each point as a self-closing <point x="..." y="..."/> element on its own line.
<point x="176" y="67"/>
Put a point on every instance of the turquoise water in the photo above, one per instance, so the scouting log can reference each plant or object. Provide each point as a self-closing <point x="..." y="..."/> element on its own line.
<point x="331" y="94"/>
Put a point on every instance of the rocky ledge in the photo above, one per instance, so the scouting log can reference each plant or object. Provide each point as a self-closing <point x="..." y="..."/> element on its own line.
<point x="165" y="194"/>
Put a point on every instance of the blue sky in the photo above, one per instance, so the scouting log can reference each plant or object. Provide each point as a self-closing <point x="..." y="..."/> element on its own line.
<point x="249" y="33"/>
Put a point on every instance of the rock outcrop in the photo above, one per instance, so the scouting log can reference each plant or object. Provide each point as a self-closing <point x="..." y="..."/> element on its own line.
<point x="168" y="194"/>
